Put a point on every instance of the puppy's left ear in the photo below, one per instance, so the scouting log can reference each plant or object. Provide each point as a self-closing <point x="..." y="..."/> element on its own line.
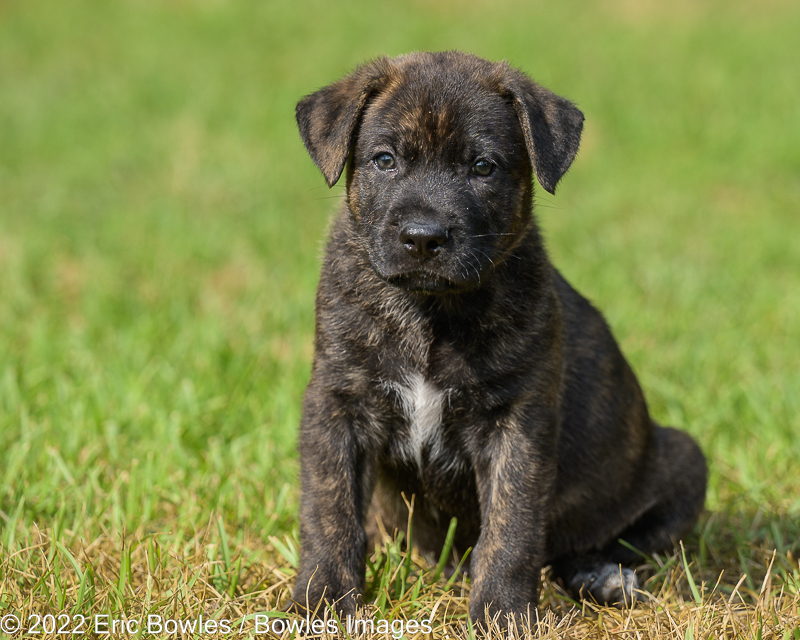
<point x="551" y="125"/>
<point x="327" y="119"/>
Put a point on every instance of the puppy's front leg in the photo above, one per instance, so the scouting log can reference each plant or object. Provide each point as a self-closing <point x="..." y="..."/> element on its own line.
<point x="515" y="475"/>
<point x="336" y="486"/>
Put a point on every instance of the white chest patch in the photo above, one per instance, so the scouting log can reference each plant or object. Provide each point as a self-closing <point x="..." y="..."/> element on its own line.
<point x="422" y="404"/>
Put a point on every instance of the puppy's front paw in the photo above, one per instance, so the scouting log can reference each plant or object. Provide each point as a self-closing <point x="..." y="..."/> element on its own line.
<point x="318" y="597"/>
<point x="494" y="612"/>
<point x="607" y="584"/>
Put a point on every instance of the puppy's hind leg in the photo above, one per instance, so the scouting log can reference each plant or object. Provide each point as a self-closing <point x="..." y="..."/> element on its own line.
<point x="677" y="489"/>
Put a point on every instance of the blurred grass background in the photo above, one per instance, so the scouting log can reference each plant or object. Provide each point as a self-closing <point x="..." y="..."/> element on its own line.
<point x="161" y="225"/>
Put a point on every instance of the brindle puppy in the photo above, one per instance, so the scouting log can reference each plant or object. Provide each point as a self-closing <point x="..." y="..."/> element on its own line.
<point x="454" y="363"/>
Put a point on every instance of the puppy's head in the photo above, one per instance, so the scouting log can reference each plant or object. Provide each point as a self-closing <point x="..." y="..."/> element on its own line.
<point x="441" y="150"/>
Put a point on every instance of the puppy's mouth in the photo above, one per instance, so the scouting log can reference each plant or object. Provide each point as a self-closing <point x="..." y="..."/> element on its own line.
<point x="422" y="281"/>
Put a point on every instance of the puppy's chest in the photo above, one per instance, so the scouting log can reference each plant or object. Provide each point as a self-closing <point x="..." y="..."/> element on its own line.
<point x="424" y="407"/>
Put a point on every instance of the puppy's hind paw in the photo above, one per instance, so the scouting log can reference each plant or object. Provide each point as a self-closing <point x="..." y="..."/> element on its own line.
<point x="608" y="584"/>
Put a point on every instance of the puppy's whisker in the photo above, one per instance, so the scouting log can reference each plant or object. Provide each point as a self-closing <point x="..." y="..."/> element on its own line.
<point x="326" y="188"/>
<point x="477" y="270"/>
<point x="463" y="270"/>
<point x="487" y="235"/>
<point x="537" y="202"/>
<point x="488" y="257"/>
<point x="508" y="254"/>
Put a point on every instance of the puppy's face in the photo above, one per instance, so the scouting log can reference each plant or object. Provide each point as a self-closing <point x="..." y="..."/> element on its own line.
<point x="440" y="180"/>
<point x="441" y="149"/>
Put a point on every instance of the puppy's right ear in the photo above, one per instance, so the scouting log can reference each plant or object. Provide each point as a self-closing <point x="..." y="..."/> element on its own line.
<point x="328" y="118"/>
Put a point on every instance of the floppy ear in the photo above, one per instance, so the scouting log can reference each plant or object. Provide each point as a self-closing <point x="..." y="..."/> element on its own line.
<point x="327" y="119"/>
<point x="551" y="124"/>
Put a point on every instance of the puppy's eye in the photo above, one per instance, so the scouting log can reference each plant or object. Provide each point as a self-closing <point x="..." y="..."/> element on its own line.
<point x="385" y="161"/>
<point x="482" y="168"/>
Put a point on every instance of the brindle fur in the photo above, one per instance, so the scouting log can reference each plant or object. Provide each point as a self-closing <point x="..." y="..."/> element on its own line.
<point x="545" y="451"/>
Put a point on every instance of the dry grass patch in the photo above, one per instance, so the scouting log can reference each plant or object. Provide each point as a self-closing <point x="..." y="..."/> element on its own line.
<point x="234" y="590"/>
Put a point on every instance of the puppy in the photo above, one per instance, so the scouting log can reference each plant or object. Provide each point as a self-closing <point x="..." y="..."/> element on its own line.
<point x="455" y="364"/>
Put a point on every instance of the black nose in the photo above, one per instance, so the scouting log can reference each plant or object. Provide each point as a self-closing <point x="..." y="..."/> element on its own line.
<point x="423" y="240"/>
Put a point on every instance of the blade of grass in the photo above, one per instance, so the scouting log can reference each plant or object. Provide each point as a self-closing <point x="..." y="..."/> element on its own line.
<point x="446" y="549"/>
<point x="71" y="559"/>
<point x="458" y="570"/>
<point x="287" y="549"/>
<point x="234" y="579"/>
<point x="226" y="551"/>
<point x="692" y="585"/>
<point x="406" y="570"/>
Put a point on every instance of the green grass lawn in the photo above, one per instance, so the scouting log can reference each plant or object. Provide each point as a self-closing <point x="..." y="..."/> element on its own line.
<point x="160" y="235"/>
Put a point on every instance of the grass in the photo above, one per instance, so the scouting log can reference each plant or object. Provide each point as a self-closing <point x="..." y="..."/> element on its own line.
<point x="160" y="227"/>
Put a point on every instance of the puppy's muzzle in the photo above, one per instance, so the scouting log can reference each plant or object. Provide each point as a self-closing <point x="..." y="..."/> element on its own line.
<point x="423" y="240"/>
